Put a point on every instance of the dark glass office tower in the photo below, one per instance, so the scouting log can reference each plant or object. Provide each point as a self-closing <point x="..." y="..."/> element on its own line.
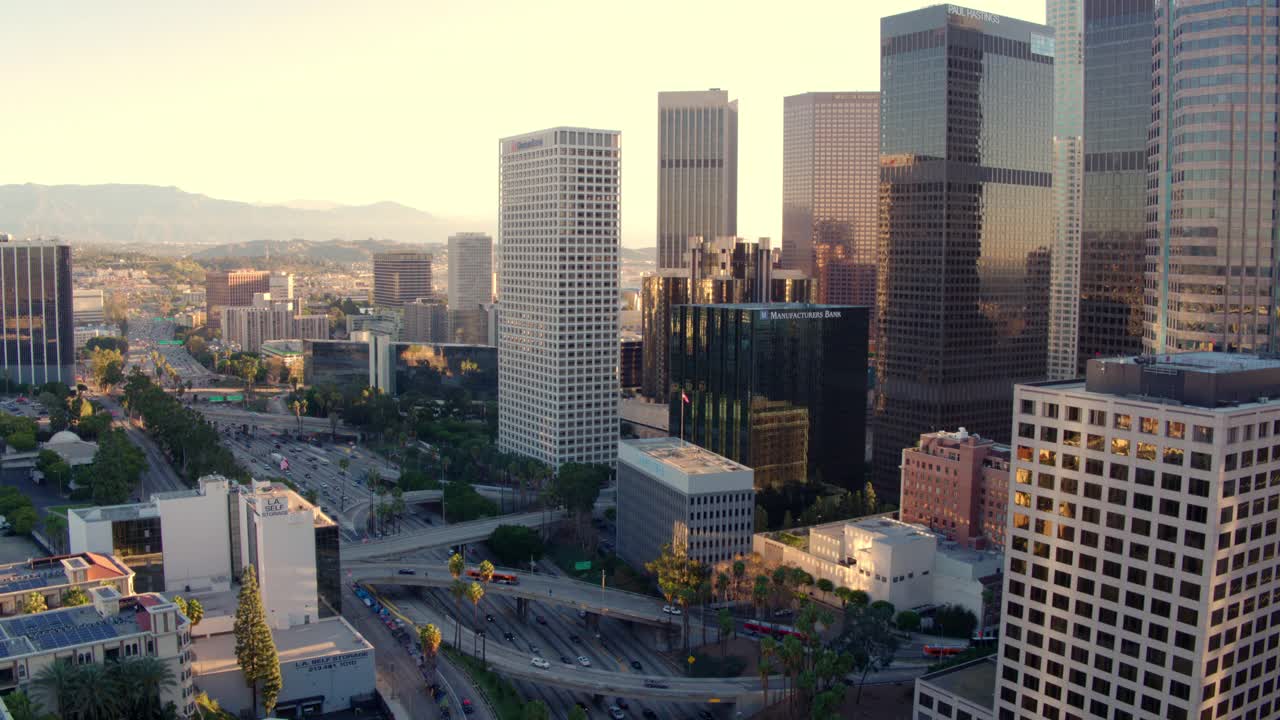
<point x="1212" y="274"/>
<point x="780" y="388"/>
<point x="966" y="223"/>
<point x="36" y="311"/>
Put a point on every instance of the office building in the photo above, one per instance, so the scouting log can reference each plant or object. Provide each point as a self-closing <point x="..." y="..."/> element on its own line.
<point x="1140" y="544"/>
<point x="400" y="277"/>
<point x="830" y="181"/>
<point x="89" y="306"/>
<point x="280" y="285"/>
<point x="558" y="280"/>
<point x="431" y="369"/>
<point x="630" y="360"/>
<point x="52" y="577"/>
<point x="36" y="309"/>
<point x="779" y="388"/>
<point x="379" y="321"/>
<point x="1102" y="107"/>
<point x="894" y="561"/>
<point x="840" y="278"/>
<point x="697" y="171"/>
<point x="344" y="364"/>
<point x="470" y="287"/>
<point x="721" y="270"/>
<point x="957" y="485"/>
<point x="232" y="288"/>
<point x="246" y="328"/>
<point x="674" y="493"/>
<point x="959" y="692"/>
<point x="1211" y="269"/>
<point x="426" y="320"/>
<point x="966" y="109"/>
<point x="111" y="628"/>
<point x="200" y="540"/>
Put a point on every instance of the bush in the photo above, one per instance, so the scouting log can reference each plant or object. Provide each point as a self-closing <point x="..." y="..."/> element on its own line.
<point x="515" y="544"/>
<point x="954" y="621"/>
<point x="907" y="621"/>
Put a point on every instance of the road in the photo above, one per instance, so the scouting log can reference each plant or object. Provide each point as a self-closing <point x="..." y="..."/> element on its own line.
<point x="408" y="543"/>
<point x="158" y="475"/>
<point x="394" y="666"/>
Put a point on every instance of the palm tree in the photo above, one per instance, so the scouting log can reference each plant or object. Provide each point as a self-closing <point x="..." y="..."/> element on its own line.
<point x="475" y="593"/>
<point x="144" y="680"/>
<point x="486" y="571"/>
<point x="299" y="407"/>
<point x="722" y="586"/>
<point x="430" y="638"/>
<point x="57" y="684"/>
<point x="739" y="577"/>
<point x="458" y="590"/>
<point x="768" y="647"/>
<point x="760" y="593"/>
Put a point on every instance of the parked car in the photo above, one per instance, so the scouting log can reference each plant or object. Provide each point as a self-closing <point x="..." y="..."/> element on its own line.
<point x="467" y="706"/>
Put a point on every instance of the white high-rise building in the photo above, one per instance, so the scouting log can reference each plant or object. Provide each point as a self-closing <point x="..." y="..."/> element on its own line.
<point x="558" y="279"/>
<point x="280" y="285"/>
<point x="1140" y="571"/>
<point x="470" y="286"/>
<point x="697" y="171"/>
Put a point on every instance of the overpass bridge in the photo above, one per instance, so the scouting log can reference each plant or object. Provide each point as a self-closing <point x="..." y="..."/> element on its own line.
<point x="407" y="543"/>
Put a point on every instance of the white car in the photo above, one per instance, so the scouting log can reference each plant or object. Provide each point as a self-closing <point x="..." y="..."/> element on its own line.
<point x="540" y="663"/>
<point x="671" y="610"/>
<point x="584" y="661"/>
<point x="616" y="712"/>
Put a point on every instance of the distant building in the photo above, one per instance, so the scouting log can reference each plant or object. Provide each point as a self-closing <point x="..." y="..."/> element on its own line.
<point x="268" y="319"/>
<point x="341" y="363"/>
<point x="400" y="277"/>
<point x="779" y="388"/>
<point x="286" y="352"/>
<point x="426" y="320"/>
<point x="50" y="577"/>
<point x="720" y="270"/>
<point x="232" y="288"/>
<point x="430" y="369"/>
<point x="280" y="285"/>
<point x="957" y="484"/>
<point x="630" y="360"/>
<point x="201" y="540"/>
<point x="83" y="333"/>
<point x="470" y="288"/>
<point x="674" y="493"/>
<point x="901" y="563"/>
<point x="89" y="306"/>
<point x="697" y="171"/>
<point x="36" y="311"/>
<point x="558" y="327"/>
<point x="830" y="191"/>
<point x="383" y="321"/>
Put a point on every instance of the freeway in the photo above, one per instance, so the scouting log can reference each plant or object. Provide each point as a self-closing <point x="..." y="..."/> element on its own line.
<point x="406" y="543"/>
<point x="550" y="589"/>
<point x="515" y="664"/>
<point x="263" y="420"/>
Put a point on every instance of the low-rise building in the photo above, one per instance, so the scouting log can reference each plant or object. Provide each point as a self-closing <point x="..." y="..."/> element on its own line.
<point x="88" y="306"/>
<point x="956" y="484"/>
<point x="52" y="577"/>
<point x="288" y="353"/>
<point x="904" y="564"/>
<point x="113" y="627"/>
<point x="83" y="333"/>
<point x="960" y="692"/>
<point x="672" y="492"/>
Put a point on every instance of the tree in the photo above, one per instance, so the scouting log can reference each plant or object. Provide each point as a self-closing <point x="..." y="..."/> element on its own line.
<point x="106" y="367"/>
<point x="107" y="342"/>
<point x="21" y="441"/>
<point x="515" y="544"/>
<point x="255" y="648"/>
<point x="577" y="485"/>
<point x="22" y="707"/>
<point x="679" y="577"/>
<point x="34" y="603"/>
<point x="884" y="608"/>
<point x="475" y="593"/>
<point x="117" y="467"/>
<point x="458" y="590"/>
<point x="57" y="683"/>
<point x="577" y="713"/>
<point x="826" y="585"/>
<point x="768" y="648"/>
<point x="955" y="621"/>
<point x="23" y="520"/>
<point x="74" y="596"/>
<point x="430" y="638"/>
<point x="907" y="621"/>
<point x="537" y="710"/>
<point x="144" y="680"/>
<point x="55" y="529"/>
<point x="869" y="499"/>
<point x="725" y="618"/>
<point x="870" y="639"/>
<point x="299" y="407"/>
<point x="192" y="608"/>
<point x="486" y="571"/>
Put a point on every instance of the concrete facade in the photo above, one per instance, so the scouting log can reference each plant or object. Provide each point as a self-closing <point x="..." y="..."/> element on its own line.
<point x="955" y="484"/>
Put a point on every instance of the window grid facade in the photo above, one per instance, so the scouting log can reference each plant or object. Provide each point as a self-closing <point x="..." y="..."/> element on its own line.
<point x="697" y="171"/>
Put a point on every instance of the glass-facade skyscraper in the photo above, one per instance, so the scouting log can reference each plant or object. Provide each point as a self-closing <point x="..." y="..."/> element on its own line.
<point x="780" y="388"/>
<point x="830" y="208"/>
<point x="36" y="311"/>
<point x="1101" y="114"/>
<point x="966" y="223"/>
<point x="697" y="171"/>
<point x="1211" y="255"/>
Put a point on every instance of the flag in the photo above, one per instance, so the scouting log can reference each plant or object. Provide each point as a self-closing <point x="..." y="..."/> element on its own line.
<point x="684" y="398"/>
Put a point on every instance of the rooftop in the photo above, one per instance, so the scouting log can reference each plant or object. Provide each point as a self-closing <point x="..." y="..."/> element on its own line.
<point x="116" y="513"/>
<point x="1204" y="362"/>
<point x="70" y="627"/>
<point x="1198" y="379"/>
<point x="891" y="531"/>
<point x="688" y="458"/>
<point x="50" y="572"/>
<point x="332" y="636"/>
<point x="973" y="681"/>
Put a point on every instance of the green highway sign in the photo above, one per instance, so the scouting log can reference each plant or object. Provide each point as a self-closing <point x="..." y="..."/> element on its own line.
<point x="235" y="398"/>
<point x="168" y="342"/>
<point x="216" y="398"/>
<point x="582" y="565"/>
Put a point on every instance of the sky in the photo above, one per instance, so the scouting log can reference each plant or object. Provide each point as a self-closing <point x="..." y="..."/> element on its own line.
<point x="359" y="102"/>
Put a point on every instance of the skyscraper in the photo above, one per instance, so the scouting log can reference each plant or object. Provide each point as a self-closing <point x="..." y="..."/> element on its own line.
<point x="1102" y="81"/>
<point x="400" y="277"/>
<point x="1211" y="201"/>
<point x="36" y="310"/>
<point x="470" y="286"/>
<point x="232" y="288"/>
<point x="558" y="278"/>
<point x="1141" y="542"/>
<point x="697" y="170"/>
<point x="966" y="223"/>
<point x="830" y="175"/>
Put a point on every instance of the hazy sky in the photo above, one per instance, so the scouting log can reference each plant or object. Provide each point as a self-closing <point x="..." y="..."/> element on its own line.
<point x="356" y="102"/>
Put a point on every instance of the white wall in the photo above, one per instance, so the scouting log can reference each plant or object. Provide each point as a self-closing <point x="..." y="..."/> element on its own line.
<point x="287" y="568"/>
<point x="89" y="537"/>
<point x="197" y="535"/>
<point x="337" y="678"/>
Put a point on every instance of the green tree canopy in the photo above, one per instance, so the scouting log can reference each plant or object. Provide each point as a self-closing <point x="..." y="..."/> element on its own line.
<point x="106" y="367"/>
<point x="516" y="544"/>
<point x="255" y="647"/>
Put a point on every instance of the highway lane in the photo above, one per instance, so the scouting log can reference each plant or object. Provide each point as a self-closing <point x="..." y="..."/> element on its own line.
<point x="408" y="543"/>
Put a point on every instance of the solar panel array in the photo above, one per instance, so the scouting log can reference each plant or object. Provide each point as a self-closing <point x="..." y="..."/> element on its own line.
<point x="22" y="582"/>
<point x="14" y="646"/>
<point x="50" y="631"/>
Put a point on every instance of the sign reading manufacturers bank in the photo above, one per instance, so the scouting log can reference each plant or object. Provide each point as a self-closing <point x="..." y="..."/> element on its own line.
<point x="799" y="314"/>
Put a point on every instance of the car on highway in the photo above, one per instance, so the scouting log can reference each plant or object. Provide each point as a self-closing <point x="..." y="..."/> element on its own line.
<point x="648" y="714"/>
<point x="406" y="571"/>
<point x="671" y="610"/>
<point x="565" y="659"/>
<point x="620" y="702"/>
<point x="656" y="684"/>
<point x="575" y="639"/>
<point x="535" y="649"/>
<point x="540" y="663"/>
<point x="467" y="706"/>
<point x="616" y="712"/>
<point x="635" y="665"/>
<point x="705" y="715"/>
<point x="490" y="618"/>
<point x="542" y="620"/>
<point x="584" y="661"/>
<point x="509" y="636"/>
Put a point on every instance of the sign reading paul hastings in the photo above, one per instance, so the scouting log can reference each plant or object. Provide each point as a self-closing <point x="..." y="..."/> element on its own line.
<point x="799" y="314"/>
<point x="973" y="14"/>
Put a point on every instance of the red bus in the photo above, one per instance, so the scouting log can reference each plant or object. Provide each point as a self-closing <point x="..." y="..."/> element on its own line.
<point x="943" y="650"/>
<point x="500" y="578"/>
<point x="779" y="632"/>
